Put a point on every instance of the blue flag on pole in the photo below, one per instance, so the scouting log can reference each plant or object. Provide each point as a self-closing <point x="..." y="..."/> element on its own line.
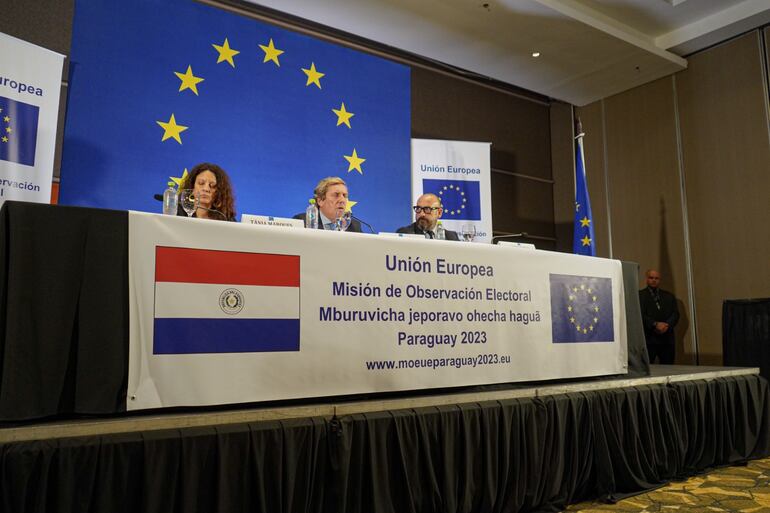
<point x="157" y="87"/>
<point x="583" y="233"/>
<point x="18" y="131"/>
<point x="461" y="199"/>
<point x="581" y="309"/>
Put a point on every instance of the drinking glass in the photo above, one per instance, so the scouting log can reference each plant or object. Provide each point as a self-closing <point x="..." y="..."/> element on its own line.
<point x="344" y="221"/>
<point x="468" y="231"/>
<point x="188" y="200"/>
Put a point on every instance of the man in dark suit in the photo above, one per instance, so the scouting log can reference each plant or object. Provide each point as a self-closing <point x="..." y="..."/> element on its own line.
<point x="427" y="212"/>
<point x="659" y="316"/>
<point x="331" y="199"/>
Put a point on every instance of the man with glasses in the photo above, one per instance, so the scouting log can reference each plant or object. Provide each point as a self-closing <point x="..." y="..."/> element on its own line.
<point x="427" y="213"/>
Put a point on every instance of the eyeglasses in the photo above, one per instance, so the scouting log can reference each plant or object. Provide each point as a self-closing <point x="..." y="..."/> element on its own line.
<point x="424" y="210"/>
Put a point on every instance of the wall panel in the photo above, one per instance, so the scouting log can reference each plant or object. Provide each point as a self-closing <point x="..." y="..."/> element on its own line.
<point x="645" y="192"/>
<point x="445" y="107"/>
<point x="562" y="163"/>
<point x="722" y="99"/>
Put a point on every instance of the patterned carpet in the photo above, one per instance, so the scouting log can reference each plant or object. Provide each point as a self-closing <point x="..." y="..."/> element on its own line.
<point x="744" y="489"/>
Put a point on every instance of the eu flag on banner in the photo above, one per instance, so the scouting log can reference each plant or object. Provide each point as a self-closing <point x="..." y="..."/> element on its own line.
<point x="581" y="309"/>
<point x="461" y="199"/>
<point x="18" y="131"/>
<point x="175" y="83"/>
<point x="583" y="231"/>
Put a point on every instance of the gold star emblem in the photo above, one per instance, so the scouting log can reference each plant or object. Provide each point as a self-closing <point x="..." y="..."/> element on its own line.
<point x="584" y="222"/>
<point x="355" y="162"/>
<point x="271" y="53"/>
<point x="350" y="205"/>
<point x="226" y="53"/>
<point x="343" y="116"/>
<point x="8" y="129"/>
<point x="7" y="119"/>
<point x="171" y="129"/>
<point x="189" y="81"/>
<point x="313" y="75"/>
<point x="178" y="181"/>
<point x="5" y="139"/>
<point x="586" y="241"/>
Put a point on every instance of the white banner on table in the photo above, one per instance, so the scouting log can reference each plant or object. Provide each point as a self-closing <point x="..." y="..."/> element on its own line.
<point x="228" y="313"/>
<point x="30" y="82"/>
<point x="458" y="172"/>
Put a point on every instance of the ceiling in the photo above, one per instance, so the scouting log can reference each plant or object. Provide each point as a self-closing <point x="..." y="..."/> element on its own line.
<point x="589" y="49"/>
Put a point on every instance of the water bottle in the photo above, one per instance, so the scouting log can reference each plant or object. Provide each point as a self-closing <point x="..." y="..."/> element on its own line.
<point x="311" y="215"/>
<point x="170" y="201"/>
<point x="440" y="231"/>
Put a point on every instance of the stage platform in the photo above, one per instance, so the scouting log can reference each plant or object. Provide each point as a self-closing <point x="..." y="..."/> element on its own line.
<point x="659" y="375"/>
<point x="523" y="448"/>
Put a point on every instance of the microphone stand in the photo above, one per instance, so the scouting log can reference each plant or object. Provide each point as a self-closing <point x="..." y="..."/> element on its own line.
<point x="363" y="222"/>
<point x="211" y="210"/>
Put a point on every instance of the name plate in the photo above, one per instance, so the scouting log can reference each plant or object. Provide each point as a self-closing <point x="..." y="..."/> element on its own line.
<point x="508" y="244"/>
<point x="272" y="221"/>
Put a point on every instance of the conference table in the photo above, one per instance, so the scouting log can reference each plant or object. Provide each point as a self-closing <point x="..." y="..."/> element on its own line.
<point x="65" y="307"/>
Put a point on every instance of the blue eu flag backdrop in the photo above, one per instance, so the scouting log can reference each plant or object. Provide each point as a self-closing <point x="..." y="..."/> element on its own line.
<point x="158" y="86"/>
<point x="461" y="199"/>
<point x="18" y="131"/>
<point x="581" y="308"/>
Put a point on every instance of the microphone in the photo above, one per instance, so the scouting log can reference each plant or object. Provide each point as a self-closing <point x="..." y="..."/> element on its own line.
<point x="212" y="210"/>
<point x="362" y="222"/>
<point x="509" y="236"/>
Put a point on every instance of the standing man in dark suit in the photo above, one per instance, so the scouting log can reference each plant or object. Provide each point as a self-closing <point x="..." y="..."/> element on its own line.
<point x="659" y="316"/>
<point x="331" y="198"/>
<point x="427" y="213"/>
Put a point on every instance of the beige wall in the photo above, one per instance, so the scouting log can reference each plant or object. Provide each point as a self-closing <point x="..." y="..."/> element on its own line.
<point x="688" y="184"/>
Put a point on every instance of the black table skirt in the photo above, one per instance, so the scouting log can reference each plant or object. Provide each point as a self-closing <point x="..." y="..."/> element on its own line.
<point x="515" y="455"/>
<point x="64" y="312"/>
<point x="746" y="334"/>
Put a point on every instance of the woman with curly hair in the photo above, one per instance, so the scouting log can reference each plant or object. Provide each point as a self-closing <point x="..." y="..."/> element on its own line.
<point x="211" y="186"/>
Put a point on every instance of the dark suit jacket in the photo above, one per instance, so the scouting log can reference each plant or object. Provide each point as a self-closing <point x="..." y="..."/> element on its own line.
<point x="668" y="312"/>
<point x="355" y="226"/>
<point x="413" y="228"/>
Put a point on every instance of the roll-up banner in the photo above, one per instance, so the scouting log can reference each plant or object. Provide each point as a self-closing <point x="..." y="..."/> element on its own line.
<point x="30" y="83"/>
<point x="458" y="172"/>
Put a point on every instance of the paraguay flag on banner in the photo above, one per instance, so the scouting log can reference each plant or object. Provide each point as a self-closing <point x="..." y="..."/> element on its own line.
<point x="210" y="301"/>
<point x="461" y="199"/>
<point x="18" y="131"/>
<point x="581" y="309"/>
